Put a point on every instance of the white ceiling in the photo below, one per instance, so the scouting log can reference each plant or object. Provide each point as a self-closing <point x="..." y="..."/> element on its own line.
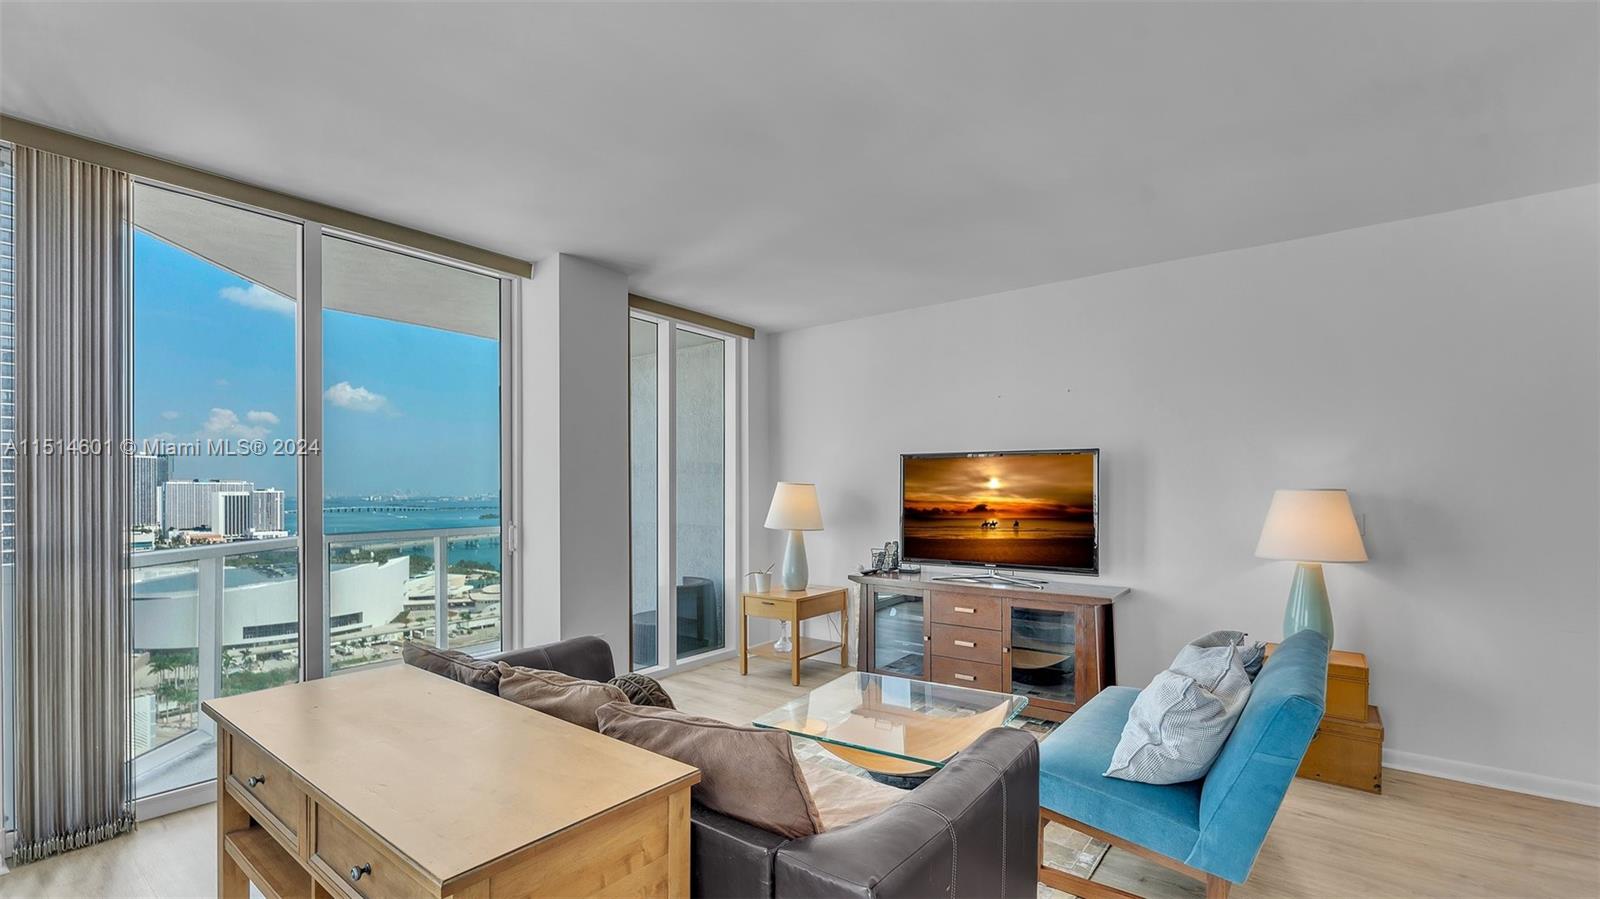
<point x="790" y="164"/>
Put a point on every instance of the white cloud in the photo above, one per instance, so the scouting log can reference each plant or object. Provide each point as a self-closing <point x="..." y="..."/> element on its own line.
<point x="171" y="415"/>
<point x="257" y="297"/>
<point x="222" y="382"/>
<point x="225" y="423"/>
<point x="261" y="418"/>
<point x="356" y="399"/>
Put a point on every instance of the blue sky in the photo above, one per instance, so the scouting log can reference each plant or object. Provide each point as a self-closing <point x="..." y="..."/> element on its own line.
<point x="407" y="409"/>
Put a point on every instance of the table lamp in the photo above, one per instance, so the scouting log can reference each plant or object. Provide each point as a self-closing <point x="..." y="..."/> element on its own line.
<point x="794" y="509"/>
<point x="1310" y="527"/>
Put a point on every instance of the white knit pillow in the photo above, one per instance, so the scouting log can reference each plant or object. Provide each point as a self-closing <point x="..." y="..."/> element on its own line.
<point x="1178" y="724"/>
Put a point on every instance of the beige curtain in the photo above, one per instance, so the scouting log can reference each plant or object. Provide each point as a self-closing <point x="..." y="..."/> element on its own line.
<point x="71" y="591"/>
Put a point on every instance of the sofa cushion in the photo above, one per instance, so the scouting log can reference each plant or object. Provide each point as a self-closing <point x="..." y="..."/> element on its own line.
<point x="568" y="698"/>
<point x="458" y="666"/>
<point x="1181" y="720"/>
<point x="842" y="798"/>
<point x="1072" y="760"/>
<point x="747" y="773"/>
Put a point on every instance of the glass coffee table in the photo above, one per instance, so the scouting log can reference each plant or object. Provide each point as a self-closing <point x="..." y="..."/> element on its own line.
<point x="891" y="725"/>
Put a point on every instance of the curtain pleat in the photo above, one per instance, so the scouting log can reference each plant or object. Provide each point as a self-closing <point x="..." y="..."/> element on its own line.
<point x="72" y="583"/>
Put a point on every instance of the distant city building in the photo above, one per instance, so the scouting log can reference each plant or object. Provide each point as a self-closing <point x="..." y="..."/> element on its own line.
<point x="149" y="474"/>
<point x="189" y="505"/>
<point x="266" y="511"/>
<point x="231" y="515"/>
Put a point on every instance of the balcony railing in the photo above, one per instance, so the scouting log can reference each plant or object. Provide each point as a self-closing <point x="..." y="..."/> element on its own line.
<point x="223" y="619"/>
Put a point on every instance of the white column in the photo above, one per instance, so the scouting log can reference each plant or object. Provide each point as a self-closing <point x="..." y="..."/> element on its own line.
<point x="575" y="452"/>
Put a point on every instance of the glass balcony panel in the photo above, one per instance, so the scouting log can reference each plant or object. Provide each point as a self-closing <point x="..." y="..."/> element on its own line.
<point x="473" y="601"/>
<point x="169" y="745"/>
<point x="260" y="621"/>
<point x="381" y="593"/>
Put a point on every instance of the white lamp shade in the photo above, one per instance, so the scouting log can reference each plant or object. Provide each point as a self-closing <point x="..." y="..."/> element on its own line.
<point x="1311" y="526"/>
<point x="794" y="508"/>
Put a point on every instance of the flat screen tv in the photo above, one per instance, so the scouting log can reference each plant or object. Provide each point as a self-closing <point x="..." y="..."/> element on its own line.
<point x="1004" y="510"/>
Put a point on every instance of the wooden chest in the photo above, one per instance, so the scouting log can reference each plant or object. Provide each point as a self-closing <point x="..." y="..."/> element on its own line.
<point x="1347" y="686"/>
<point x="1347" y="753"/>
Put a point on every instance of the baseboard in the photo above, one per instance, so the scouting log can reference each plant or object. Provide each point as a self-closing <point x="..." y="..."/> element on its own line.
<point x="1500" y="778"/>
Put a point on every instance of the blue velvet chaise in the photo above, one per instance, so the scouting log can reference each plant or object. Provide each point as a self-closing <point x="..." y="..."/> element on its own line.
<point x="1209" y="829"/>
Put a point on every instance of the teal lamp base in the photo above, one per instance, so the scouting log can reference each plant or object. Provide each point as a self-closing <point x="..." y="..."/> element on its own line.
<point x="1308" y="603"/>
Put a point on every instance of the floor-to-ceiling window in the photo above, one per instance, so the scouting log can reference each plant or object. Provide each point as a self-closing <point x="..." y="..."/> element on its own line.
<point x="684" y="427"/>
<point x="318" y="463"/>
<point x="216" y="579"/>
<point x="411" y="461"/>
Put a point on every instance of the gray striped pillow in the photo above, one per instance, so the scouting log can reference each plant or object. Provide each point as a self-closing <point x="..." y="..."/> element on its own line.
<point x="1178" y="724"/>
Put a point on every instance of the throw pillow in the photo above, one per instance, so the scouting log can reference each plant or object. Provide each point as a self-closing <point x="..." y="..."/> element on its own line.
<point x="747" y="773"/>
<point x="1178" y="724"/>
<point x="458" y="666"/>
<point x="561" y="695"/>
<point x="843" y="798"/>
<point x="1251" y="654"/>
<point x="642" y="689"/>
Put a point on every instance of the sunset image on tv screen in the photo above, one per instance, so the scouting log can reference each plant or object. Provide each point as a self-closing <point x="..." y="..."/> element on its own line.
<point x="1034" y="510"/>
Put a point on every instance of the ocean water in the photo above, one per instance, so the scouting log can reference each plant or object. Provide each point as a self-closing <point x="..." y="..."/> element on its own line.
<point x="351" y="516"/>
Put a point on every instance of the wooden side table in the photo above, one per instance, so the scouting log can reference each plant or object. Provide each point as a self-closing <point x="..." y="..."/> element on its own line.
<point x="794" y="606"/>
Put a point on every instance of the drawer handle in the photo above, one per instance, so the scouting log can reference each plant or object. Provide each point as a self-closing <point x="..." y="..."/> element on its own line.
<point x="255" y="780"/>
<point x="967" y="643"/>
<point x="768" y="602"/>
<point x="965" y="677"/>
<point x="964" y="610"/>
<point x="358" y="871"/>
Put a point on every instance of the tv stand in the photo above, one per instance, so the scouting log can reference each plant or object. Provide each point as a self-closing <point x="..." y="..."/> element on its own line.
<point x="994" y="577"/>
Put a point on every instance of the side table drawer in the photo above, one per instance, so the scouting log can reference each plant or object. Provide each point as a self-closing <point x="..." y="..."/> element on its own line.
<point x="358" y="864"/>
<point x="759" y="607"/>
<point x="962" y="673"/>
<point x="260" y="777"/>
<point x="971" y="643"/>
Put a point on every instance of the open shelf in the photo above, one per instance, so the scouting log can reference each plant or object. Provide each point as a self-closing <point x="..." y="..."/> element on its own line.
<point x="809" y="646"/>
<point x="269" y="866"/>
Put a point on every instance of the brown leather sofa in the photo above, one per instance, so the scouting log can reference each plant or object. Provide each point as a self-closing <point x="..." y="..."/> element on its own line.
<point x="971" y="830"/>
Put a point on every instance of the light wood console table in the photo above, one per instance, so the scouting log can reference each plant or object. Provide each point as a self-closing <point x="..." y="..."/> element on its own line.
<point x="399" y="783"/>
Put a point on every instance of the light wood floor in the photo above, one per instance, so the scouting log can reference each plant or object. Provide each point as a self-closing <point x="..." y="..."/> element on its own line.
<point x="1423" y="837"/>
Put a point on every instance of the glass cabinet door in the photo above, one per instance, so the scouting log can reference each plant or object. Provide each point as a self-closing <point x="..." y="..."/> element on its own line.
<point x="897" y="630"/>
<point x="1044" y="653"/>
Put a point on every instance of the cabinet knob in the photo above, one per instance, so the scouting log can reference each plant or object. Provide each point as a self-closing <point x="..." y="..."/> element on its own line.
<point x="358" y="871"/>
<point x="255" y="780"/>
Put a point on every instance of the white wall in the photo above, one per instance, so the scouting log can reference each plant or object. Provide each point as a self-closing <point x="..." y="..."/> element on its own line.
<point x="1444" y="369"/>
<point x="574" y="535"/>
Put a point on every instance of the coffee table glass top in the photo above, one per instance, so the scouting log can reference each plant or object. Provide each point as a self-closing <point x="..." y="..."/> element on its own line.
<point x="911" y="720"/>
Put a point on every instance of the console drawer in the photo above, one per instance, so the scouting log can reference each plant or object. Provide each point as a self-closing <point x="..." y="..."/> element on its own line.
<point x="962" y="673"/>
<point x="260" y="777"/>
<point x="967" y="610"/>
<point x="974" y="644"/>
<point x="342" y="850"/>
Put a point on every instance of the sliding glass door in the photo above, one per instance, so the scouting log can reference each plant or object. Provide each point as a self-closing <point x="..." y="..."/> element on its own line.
<point x="683" y="512"/>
